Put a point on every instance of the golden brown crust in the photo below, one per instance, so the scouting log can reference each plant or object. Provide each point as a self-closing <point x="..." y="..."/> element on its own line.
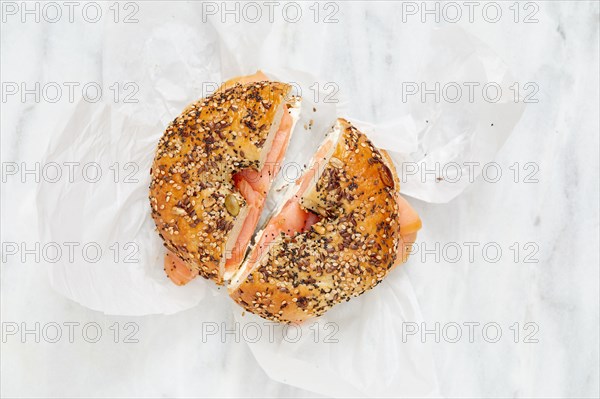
<point x="387" y="160"/>
<point x="196" y="157"/>
<point x="346" y="253"/>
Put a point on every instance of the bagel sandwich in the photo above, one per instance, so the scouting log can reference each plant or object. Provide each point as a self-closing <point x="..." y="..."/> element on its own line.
<point x="342" y="227"/>
<point x="213" y="168"/>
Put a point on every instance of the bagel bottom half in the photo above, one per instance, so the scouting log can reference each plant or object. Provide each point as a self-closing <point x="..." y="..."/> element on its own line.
<point x="341" y="229"/>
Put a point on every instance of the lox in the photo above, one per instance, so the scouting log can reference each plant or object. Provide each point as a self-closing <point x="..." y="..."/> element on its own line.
<point x="341" y="228"/>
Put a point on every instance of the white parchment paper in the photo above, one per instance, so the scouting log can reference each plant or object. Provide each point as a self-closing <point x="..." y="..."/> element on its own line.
<point x="369" y="357"/>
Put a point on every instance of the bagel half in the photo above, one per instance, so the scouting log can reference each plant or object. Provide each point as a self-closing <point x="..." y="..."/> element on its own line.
<point x="336" y="235"/>
<point x="201" y="178"/>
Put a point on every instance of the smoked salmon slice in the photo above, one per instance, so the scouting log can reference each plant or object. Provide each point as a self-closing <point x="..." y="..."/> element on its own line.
<point x="410" y="223"/>
<point x="254" y="186"/>
<point x="177" y="270"/>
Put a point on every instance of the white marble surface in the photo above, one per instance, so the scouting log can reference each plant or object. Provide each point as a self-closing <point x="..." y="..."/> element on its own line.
<point x="368" y="53"/>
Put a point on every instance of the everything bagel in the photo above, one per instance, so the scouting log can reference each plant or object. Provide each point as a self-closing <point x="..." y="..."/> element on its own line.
<point x="338" y="234"/>
<point x="212" y="171"/>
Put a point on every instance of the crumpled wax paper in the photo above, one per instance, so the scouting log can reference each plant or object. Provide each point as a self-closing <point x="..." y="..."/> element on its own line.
<point x="171" y="59"/>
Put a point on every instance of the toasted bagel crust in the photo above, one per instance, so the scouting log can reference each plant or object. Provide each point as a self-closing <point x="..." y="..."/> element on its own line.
<point x="191" y="176"/>
<point x="346" y="253"/>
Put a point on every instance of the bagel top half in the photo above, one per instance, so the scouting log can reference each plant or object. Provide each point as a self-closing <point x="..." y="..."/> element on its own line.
<point x="197" y="209"/>
<point x="351" y="248"/>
